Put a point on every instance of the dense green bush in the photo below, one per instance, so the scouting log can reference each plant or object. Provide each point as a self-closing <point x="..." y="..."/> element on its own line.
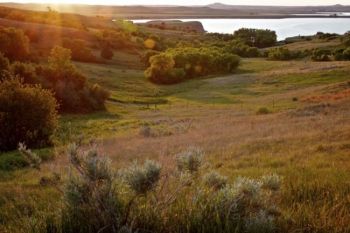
<point x="72" y="90"/>
<point x="241" y="49"/>
<point x="14" y="44"/>
<point x="26" y="71"/>
<point x="80" y="50"/>
<point x="145" y="57"/>
<point x="177" y="64"/>
<point x="28" y="114"/>
<point x="321" y="55"/>
<point x="283" y="54"/>
<point x="256" y="37"/>
<point x="346" y="53"/>
<point x="107" y="53"/>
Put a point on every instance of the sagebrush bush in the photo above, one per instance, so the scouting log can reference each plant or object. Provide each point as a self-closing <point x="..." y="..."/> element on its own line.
<point x="28" y="114"/>
<point x="190" y="160"/>
<point x="272" y="182"/>
<point x="215" y="180"/>
<point x="91" y="203"/>
<point x="95" y="199"/>
<point x="142" y="179"/>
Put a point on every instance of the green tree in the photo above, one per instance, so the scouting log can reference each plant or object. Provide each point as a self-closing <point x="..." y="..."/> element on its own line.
<point x="28" y="114"/>
<point x="14" y="44"/>
<point x="256" y="37"/>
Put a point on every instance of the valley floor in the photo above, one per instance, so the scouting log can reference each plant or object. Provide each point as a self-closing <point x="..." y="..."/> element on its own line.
<point x="290" y="118"/>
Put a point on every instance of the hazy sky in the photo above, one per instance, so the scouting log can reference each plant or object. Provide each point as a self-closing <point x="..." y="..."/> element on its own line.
<point x="193" y="2"/>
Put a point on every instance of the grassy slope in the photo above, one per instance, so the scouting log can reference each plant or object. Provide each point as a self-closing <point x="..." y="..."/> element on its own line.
<point x="307" y="143"/>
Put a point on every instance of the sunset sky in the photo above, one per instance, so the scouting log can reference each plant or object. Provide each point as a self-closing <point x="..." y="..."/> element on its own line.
<point x="193" y="2"/>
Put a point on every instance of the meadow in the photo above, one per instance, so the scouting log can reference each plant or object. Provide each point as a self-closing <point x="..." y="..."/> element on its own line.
<point x="290" y="118"/>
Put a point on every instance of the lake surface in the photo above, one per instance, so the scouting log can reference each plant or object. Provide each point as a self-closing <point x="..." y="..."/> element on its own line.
<point x="284" y="28"/>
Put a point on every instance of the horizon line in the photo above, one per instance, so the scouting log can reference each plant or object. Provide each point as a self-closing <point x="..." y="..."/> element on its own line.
<point x="167" y="5"/>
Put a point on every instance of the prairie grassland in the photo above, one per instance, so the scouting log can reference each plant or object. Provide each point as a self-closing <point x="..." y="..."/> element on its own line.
<point x="305" y="142"/>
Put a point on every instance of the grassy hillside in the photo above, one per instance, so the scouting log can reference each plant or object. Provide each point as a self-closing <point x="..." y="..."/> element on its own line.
<point x="289" y="118"/>
<point x="304" y="141"/>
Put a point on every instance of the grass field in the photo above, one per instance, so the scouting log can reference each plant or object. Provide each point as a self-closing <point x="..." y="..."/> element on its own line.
<point x="305" y="142"/>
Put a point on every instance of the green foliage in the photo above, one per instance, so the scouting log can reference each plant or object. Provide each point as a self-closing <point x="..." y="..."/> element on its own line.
<point x="28" y="114"/>
<point x="4" y="63"/>
<point x="263" y="111"/>
<point x="25" y="71"/>
<point x="162" y="70"/>
<point x="176" y="65"/>
<point x="321" y="55"/>
<point x="283" y="54"/>
<point x="80" y="50"/>
<point x="14" y="44"/>
<point x="346" y="53"/>
<point x="142" y="179"/>
<point x="241" y="49"/>
<point x="145" y="57"/>
<point x="215" y="181"/>
<point x="90" y="201"/>
<point x="107" y="53"/>
<point x="72" y="90"/>
<point x="190" y="160"/>
<point x="256" y="37"/>
<point x="32" y="158"/>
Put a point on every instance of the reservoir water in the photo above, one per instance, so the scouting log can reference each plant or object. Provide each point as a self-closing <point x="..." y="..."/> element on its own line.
<point x="284" y="28"/>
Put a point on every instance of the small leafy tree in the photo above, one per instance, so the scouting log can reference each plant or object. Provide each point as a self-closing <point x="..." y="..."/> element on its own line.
<point x="28" y="114"/>
<point x="14" y="43"/>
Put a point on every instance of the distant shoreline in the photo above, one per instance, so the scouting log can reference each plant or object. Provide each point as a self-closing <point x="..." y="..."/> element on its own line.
<point x="169" y="17"/>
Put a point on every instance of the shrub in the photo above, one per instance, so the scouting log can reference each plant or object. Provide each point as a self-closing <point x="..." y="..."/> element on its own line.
<point x="256" y="37"/>
<point x="215" y="180"/>
<point x="321" y="55"/>
<point x="80" y="50"/>
<point x="14" y="44"/>
<point x="72" y="90"/>
<point x="190" y="160"/>
<point x="90" y="200"/>
<point x="96" y="201"/>
<point x="26" y="71"/>
<point x="282" y="54"/>
<point x="145" y="58"/>
<point x="346" y="54"/>
<point x="107" y="53"/>
<point x="272" y="182"/>
<point x="4" y="63"/>
<point x="142" y="179"/>
<point x="339" y="54"/>
<point x="28" y="114"/>
<point x="176" y="65"/>
<point x="263" y="111"/>
<point x="162" y="70"/>
<point x="238" y="47"/>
